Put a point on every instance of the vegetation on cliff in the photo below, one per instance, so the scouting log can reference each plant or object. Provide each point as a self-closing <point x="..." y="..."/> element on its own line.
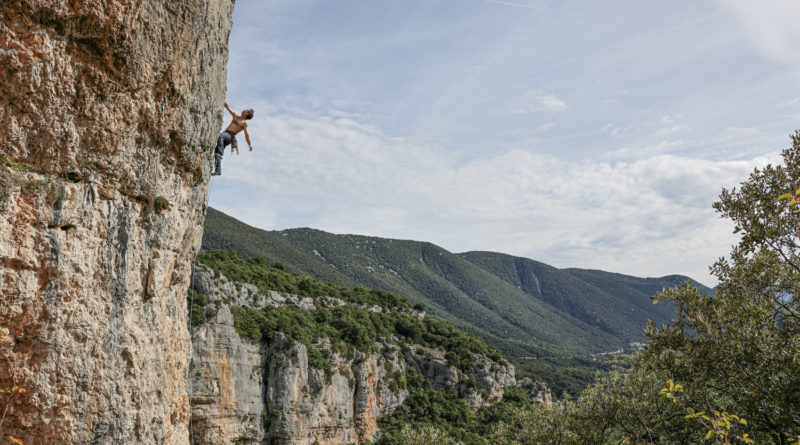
<point x="355" y="322"/>
<point x="366" y="316"/>
<point x="724" y="370"/>
<point x="448" y="416"/>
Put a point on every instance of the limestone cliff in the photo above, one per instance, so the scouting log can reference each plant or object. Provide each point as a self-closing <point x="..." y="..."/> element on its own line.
<point x="268" y="393"/>
<point x="107" y="113"/>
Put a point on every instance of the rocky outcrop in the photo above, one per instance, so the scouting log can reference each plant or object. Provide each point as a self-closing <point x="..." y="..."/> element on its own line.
<point x="225" y="384"/>
<point x="107" y="110"/>
<point x="482" y="386"/>
<point x="537" y="391"/>
<point x="243" y="392"/>
<point x="268" y="393"/>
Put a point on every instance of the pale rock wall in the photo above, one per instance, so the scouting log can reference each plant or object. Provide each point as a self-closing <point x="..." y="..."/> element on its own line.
<point x="489" y="377"/>
<point x="537" y="391"/>
<point x="109" y="105"/>
<point x="249" y="393"/>
<point x="225" y="384"/>
<point x="268" y="393"/>
<point x="243" y="393"/>
<point x="304" y="407"/>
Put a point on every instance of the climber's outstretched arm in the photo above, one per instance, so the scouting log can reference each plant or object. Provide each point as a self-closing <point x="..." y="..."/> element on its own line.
<point x="247" y="137"/>
<point x="227" y="107"/>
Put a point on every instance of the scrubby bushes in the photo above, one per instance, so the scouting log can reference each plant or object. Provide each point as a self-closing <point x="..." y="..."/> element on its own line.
<point x="428" y="413"/>
<point x="199" y="309"/>
<point x="258" y="272"/>
<point x="348" y="327"/>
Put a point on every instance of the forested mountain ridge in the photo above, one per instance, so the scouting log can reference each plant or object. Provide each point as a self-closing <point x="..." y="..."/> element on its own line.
<point x="531" y="311"/>
<point x="615" y="303"/>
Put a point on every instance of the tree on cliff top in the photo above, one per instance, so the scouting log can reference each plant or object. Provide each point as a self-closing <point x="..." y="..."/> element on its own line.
<point x="740" y="349"/>
<point x="727" y="368"/>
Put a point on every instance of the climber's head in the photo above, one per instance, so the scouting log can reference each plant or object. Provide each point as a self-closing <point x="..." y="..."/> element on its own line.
<point x="248" y="114"/>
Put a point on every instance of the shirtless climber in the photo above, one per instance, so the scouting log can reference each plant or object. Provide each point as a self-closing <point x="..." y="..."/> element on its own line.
<point x="228" y="137"/>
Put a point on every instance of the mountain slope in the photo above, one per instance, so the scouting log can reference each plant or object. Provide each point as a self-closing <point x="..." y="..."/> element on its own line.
<point x="615" y="303"/>
<point x="633" y="288"/>
<point x="506" y="299"/>
<point x="451" y="286"/>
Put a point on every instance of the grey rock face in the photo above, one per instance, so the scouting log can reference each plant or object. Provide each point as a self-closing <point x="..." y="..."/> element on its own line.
<point x="492" y="378"/>
<point x="432" y="365"/>
<point x="238" y="294"/>
<point x="225" y="383"/>
<point x="108" y="111"/>
<point x="482" y="386"/>
<point x="268" y="392"/>
<point x="537" y="391"/>
<point x="299" y="404"/>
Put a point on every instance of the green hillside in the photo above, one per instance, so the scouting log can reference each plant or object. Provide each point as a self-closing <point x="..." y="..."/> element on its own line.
<point x="548" y="322"/>
<point x="617" y="304"/>
<point x="449" y="285"/>
<point x="634" y="287"/>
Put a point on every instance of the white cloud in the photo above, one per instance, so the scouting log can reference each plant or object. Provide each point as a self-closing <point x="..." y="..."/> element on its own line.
<point x="647" y="151"/>
<point x="791" y="103"/>
<point x="651" y="216"/>
<point x="532" y="7"/>
<point x="540" y="101"/>
<point x="770" y="24"/>
<point x="616" y="130"/>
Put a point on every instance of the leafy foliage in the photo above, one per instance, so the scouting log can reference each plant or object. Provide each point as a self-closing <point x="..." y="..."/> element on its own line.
<point x="258" y="272"/>
<point x="430" y="413"/>
<point x="425" y="435"/>
<point x="740" y="348"/>
<point x="426" y="406"/>
<point x="349" y="327"/>
<point x="199" y="313"/>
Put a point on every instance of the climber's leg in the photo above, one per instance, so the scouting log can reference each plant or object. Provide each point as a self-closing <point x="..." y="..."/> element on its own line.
<point x="223" y="140"/>
<point x="217" y="165"/>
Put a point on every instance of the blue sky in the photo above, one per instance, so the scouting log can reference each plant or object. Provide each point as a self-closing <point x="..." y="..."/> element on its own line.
<point x="580" y="134"/>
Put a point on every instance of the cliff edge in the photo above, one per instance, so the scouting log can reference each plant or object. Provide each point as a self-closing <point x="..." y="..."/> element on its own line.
<point x="280" y="368"/>
<point x="107" y="113"/>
